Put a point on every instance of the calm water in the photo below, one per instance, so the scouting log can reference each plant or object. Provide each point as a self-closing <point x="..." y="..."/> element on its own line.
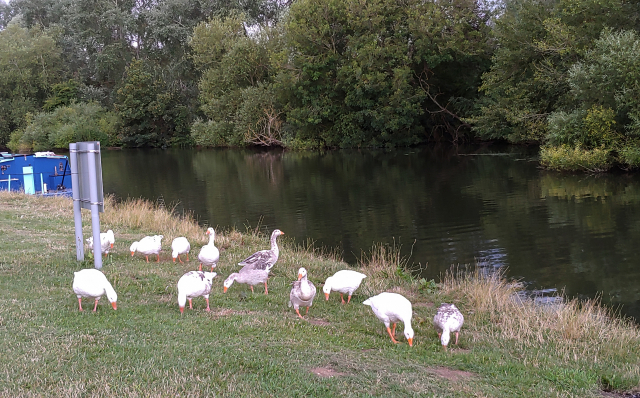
<point x="578" y="234"/>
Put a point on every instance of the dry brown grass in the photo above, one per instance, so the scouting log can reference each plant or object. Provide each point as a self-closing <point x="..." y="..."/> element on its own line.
<point x="54" y="206"/>
<point x="386" y="270"/>
<point x="578" y="329"/>
<point x="151" y="218"/>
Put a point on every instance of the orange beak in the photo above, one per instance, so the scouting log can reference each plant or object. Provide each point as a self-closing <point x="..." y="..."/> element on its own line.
<point x="181" y="310"/>
<point x="208" y="233"/>
<point x="299" y="276"/>
<point x="174" y="260"/>
<point x="411" y="342"/>
<point x="114" y="305"/>
<point x="112" y="245"/>
<point x="132" y="253"/>
<point x="326" y="295"/>
<point x="225" y="289"/>
<point x="281" y="233"/>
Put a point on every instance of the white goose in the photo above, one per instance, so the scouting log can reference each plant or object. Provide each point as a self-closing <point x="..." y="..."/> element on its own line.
<point x="264" y="259"/>
<point x="248" y="276"/>
<point x="147" y="246"/>
<point x="344" y="282"/>
<point x="302" y="292"/>
<point x="180" y="246"/>
<point x="448" y="319"/>
<point x="92" y="283"/>
<point x="194" y="284"/>
<point x="393" y="308"/>
<point x="107" y="239"/>
<point x="209" y="254"/>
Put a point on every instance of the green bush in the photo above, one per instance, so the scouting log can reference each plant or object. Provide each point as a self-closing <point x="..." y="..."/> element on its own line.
<point x="66" y="124"/>
<point x="630" y="156"/>
<point x="567" y="158"/>
<point x="212" y="133"/>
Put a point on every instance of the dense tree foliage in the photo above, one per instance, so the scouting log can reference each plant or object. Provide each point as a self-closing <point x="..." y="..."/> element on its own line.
<point x="97" y="40"/>
<point x="342" y="73"/>
<point x="561" y="76"/>
<point x="151" y="115"/>
<point x="29" y="65"/>
<point x="334" y="73"/>
<point x="383" y="72"/>
<point x="236" y="89"/>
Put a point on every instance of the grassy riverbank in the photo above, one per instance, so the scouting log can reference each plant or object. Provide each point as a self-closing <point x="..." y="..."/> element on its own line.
<point x="254" y="345"/>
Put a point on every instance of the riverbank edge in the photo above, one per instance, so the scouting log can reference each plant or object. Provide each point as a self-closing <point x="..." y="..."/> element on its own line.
<point x="507" y="345"/>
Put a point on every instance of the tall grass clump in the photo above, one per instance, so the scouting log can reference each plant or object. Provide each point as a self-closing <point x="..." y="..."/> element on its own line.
<point x="152" y="218"/>
<point x="386" y="268"/>
<point x="572" y="331"/>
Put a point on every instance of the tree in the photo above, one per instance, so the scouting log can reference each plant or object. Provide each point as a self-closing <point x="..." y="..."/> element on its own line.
<point x="603" y="106"/>
<point x="29" y="66"/>
<point x="382" y="72"/>
<point x="149" y="112"/>
<point x="236" y="88"/>
<point x="538" y="43"/>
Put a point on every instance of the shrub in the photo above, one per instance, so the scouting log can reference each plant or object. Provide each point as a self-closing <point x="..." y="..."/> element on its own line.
<point x="629" y="156"/>
<point x="565" y="157"/>
<point x="66" y="124"/>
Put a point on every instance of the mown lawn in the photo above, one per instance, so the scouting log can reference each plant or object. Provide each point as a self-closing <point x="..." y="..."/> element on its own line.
<point x="253" y="344"/>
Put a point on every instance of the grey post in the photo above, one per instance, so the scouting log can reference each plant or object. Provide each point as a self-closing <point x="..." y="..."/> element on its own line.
<point x="93" y="149"/>
<point x="77" y="212"/>
<point x="86" y="177"/>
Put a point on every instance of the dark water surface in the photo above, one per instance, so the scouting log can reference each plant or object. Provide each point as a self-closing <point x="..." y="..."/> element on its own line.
<point x="575" y="233"/>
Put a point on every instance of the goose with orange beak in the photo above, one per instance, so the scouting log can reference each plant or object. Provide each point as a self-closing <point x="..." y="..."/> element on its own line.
<point x="107" y="239"/>
<point x="393" y="308"/>
<point x="148" y="245"/>
<point x="180" y="246"/>
<point x="250" y="277"/>
<point x="302" y="292"/>
<point x="194" y="284"/>
<point x="209" y="253"/>
<point x="92" y="283"/>
<point x="448" y="319"/>
<point x="264" y="259"/>
<point x="344" y="282"/>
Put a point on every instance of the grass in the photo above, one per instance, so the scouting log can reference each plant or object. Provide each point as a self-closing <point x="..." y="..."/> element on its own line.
<point x="253" y="345"/>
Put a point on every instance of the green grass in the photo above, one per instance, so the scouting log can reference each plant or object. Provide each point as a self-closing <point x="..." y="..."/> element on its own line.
<point x="253" y="345"/>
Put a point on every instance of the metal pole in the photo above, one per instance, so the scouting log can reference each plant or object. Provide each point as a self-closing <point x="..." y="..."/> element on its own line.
<point x="41" y="184"/>
<point x="77" y="212"/>
<point x="94" y="148"/>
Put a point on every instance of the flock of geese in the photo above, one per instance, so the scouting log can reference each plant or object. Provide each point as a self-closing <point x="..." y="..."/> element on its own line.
<point x="390" y="308"/>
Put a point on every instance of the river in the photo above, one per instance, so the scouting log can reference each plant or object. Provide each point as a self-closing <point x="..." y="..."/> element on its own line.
<point x="443" y="207"/>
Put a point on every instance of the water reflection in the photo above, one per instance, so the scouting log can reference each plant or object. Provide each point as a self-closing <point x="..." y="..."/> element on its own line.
<point x="445" y="206"/>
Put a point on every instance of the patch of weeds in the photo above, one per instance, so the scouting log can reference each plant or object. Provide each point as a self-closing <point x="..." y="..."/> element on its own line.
<point x="428" y="286"/>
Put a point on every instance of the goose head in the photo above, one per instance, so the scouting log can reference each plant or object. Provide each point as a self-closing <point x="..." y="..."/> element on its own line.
<point x="327" y="287"/>
<point x="133" y="247"/>
<point x="229" y="281"/>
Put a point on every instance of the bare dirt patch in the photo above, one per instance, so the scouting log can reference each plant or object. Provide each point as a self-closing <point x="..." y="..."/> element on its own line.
<point x="452" y="374"/>
<point x="326" y="372"/>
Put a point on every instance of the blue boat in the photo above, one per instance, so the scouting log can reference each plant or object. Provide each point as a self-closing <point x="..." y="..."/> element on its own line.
<point x="41" y="173"/>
